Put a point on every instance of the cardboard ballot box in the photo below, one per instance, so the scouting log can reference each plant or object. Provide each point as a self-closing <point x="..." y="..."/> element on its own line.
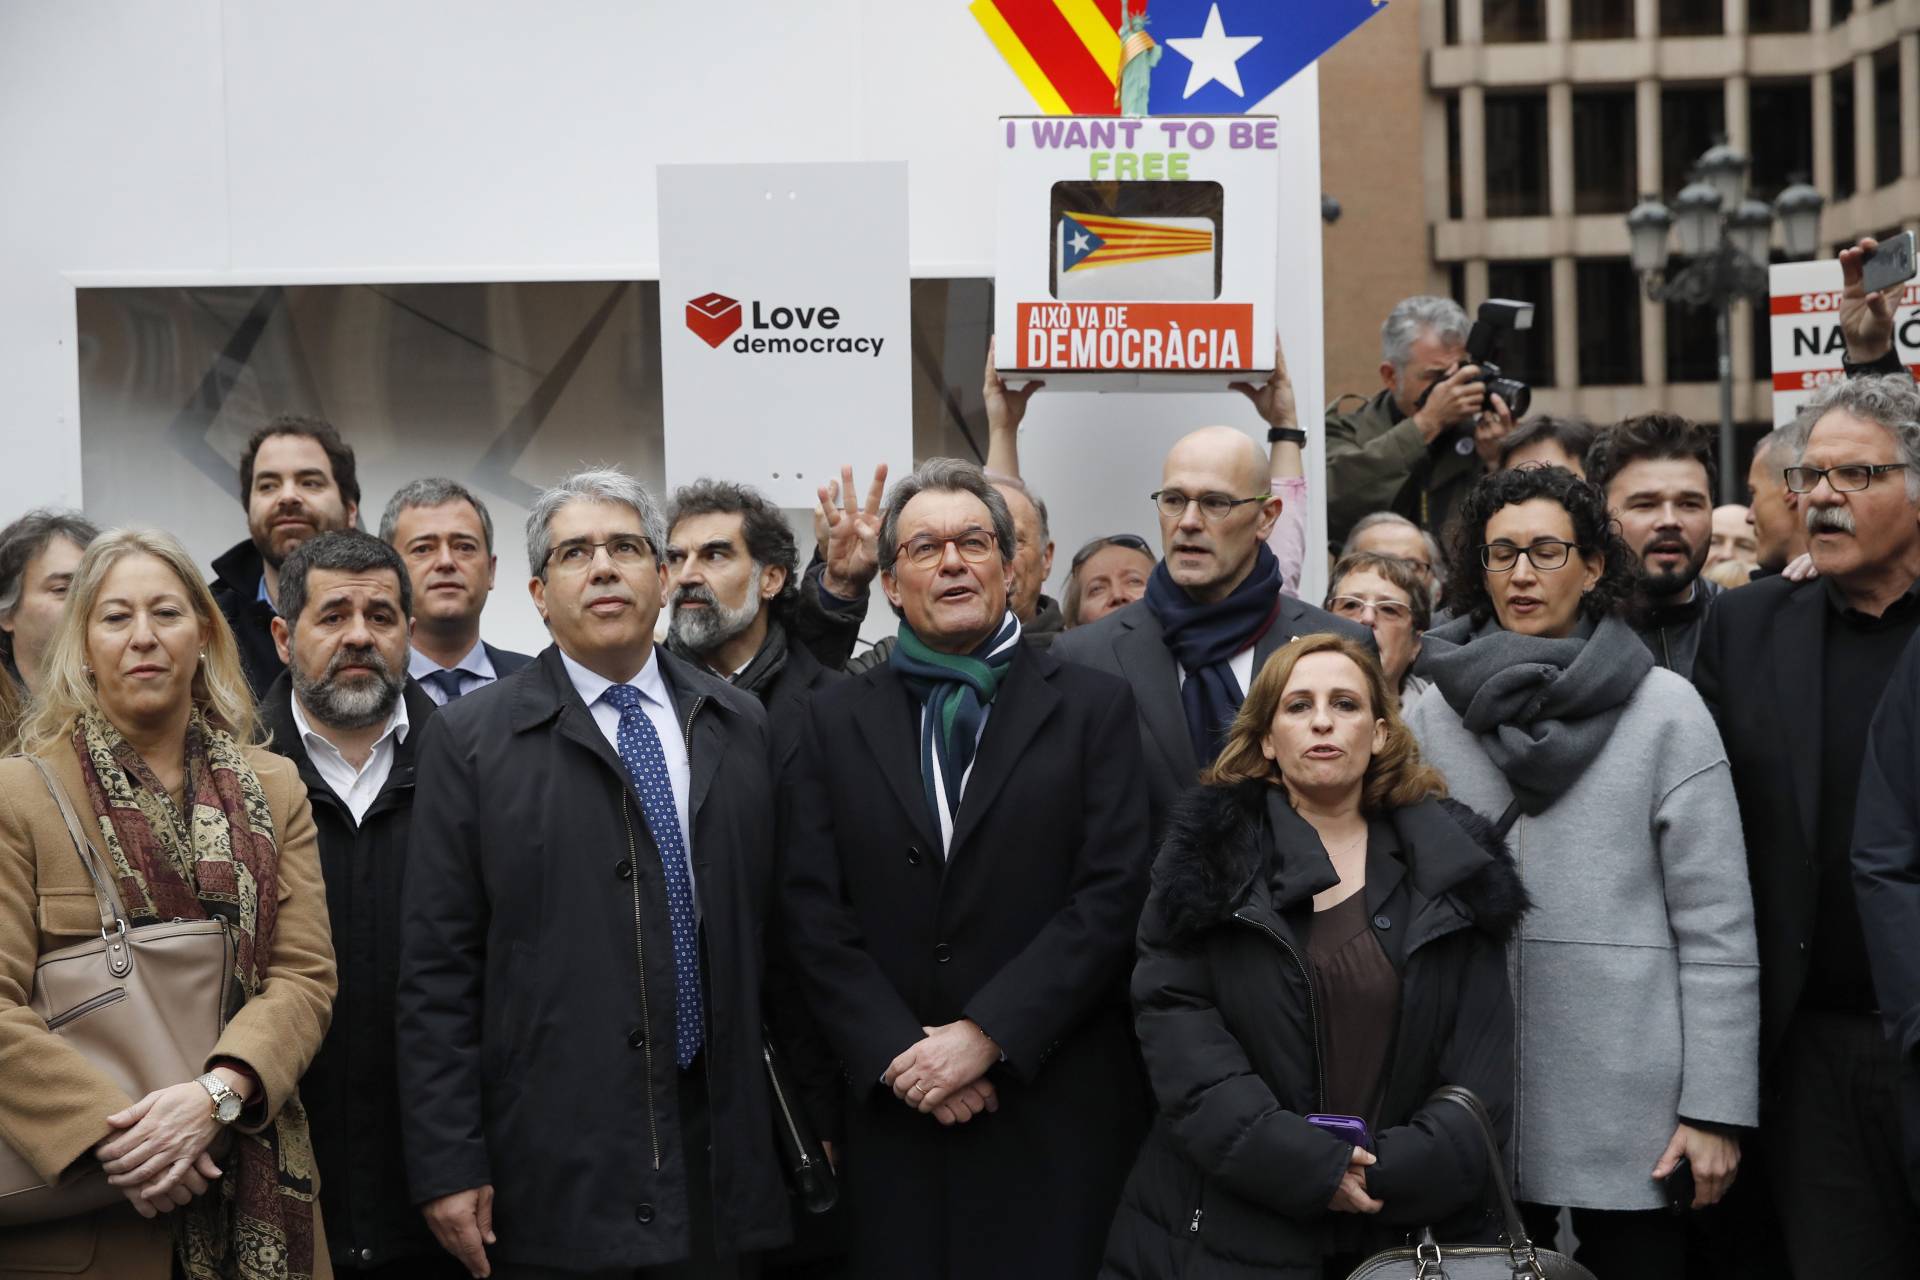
<point x="1137" y="253"/>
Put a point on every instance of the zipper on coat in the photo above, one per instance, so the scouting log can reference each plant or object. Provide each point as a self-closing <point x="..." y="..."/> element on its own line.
<point x="640" y="951"/>
<point x="1313" y="1016"/>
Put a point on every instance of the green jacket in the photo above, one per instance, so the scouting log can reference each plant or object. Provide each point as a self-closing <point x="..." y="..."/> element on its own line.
<point x="1376" y="461"/>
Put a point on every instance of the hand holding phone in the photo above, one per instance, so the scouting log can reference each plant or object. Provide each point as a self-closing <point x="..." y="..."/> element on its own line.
<point x="1891" y="263"/>
<point x="1680" y="1188"/>
<point x="1349" y="1129"/>
<point x="1866" y="311"/>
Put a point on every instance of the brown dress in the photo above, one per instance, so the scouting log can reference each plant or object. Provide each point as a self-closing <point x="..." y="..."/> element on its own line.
<point x="1359" y="994"/>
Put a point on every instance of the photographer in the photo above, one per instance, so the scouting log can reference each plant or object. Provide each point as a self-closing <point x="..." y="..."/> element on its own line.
<point x="1417" y="446"/>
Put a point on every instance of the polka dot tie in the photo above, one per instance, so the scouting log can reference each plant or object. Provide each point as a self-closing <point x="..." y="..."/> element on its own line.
<point x="647" y="766"/>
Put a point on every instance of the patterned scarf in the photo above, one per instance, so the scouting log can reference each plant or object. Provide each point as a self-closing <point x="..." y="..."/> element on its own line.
<point x="954" y="691"/>
<point x="218" y="859"/>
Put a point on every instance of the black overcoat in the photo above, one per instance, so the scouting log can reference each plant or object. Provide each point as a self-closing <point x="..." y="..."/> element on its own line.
<point x="536" y="1000"/>
<point x="1026" y="927"/>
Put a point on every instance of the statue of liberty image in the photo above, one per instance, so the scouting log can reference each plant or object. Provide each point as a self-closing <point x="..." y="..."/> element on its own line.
<point x="1139" y="55"/>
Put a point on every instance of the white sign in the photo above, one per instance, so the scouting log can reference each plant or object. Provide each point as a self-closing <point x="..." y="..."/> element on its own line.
<point x="1805" y="323"/>
<point x="784" y="316"/>
<point x="1137" y="253"/>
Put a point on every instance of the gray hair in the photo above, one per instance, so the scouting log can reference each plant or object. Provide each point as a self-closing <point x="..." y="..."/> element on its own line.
<point x="1020" y="486"/>
<point x="1442" y="317"/>
<point x="433" y="491"/>
<point x="1378" y="518"/>
<point x="26" y="538"/>
<point x="955" y="475"/>
<point x="600" y="484"/>
<point x="1891" y="400"/>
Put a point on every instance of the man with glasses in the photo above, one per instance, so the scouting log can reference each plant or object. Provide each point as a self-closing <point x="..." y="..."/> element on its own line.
<point x="1212" y="614"/>
<point x="579" y="1042"/>
<point x="1793" y="671"/>
<point x="966" y="861"/>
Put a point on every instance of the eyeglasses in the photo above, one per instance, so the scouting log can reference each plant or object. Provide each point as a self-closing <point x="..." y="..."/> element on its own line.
<point x="1385" y="610"/>
<point x="626" y="550"/>
<point x="1215" y="507"/>
<point x="928" y="550"/>
<point x="1131" y="541"/>
<point x="1851" y="478"/>
<point x="1547" y="553"/>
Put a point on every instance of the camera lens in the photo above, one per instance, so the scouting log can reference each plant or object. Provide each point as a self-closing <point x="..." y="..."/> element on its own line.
<point x="1516" y="393"/>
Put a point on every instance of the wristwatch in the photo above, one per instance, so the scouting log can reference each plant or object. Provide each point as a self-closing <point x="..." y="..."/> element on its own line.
<point x="1287" y="435"/>
<point x="227" y="1104"/>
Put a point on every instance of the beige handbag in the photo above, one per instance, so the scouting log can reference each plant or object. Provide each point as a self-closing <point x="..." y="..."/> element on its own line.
<point x="145" y="1005"/>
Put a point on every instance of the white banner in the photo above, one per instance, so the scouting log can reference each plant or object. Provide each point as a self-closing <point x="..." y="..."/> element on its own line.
<point x="1805" y="322"/>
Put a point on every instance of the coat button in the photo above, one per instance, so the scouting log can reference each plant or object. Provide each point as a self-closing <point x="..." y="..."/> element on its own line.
<point x="942" y="952"/>
<point x="643" y="1215"/>
<point x="366" y="1255"/>
<point x="1381" y="922"/>
<point x="623" y="869"/>
<point x="913" y="855"/>
<point x="637" y="1038"/>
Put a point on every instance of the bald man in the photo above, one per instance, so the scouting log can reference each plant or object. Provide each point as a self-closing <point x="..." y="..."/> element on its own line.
<point x="1213" y="611"/>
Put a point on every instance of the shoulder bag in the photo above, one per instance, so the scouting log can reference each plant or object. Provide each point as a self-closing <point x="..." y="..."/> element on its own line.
<point x="145" y="1005"/>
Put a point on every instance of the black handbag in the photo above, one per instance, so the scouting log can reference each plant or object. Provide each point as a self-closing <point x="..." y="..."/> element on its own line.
<point x="1514" y="1258"/>
<point x="810" y="1175"/>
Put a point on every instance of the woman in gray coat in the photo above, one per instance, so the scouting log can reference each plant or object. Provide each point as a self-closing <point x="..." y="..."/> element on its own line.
<point x="1635" y="979"/>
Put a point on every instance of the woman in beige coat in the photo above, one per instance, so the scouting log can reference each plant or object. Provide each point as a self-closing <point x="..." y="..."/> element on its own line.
<point x="146" y="723"/>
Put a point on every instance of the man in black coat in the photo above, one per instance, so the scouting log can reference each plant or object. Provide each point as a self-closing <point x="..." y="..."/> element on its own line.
<point x="297" y="479"/>
<point x="581" y="1080"/>
<point x="1793" y="672"/>
<point x="348" y="717"/>
<point x="966" y="861"/>
<point x="1213" y="615"/>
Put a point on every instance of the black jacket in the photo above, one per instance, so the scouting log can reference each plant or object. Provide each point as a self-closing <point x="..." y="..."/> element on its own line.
<point x="536" y="1010"/>
<point x="505" y="661"/>
<point x="350" y="1091"/>
<point x="1672" y="632"/>
<point x="236" y="590"/>
<point x="1130" y="644"/>
<point x="1886" y="879"/>
<point x="1026" y="927"/>
<point x="1233" y="1182"/>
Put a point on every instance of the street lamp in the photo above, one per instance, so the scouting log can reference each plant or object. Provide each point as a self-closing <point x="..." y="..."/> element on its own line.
<point x="1727" y="238"/>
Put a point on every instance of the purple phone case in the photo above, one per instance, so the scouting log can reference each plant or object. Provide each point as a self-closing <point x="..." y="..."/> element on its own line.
<point x="1352" y="1128"/>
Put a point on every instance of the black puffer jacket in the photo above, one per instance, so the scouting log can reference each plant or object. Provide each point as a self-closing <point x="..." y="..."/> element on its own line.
<point x="1233" y="1182"/>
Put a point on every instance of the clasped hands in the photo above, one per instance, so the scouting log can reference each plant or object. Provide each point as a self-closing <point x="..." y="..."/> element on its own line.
<point x="159" y="1158"/>
<point x="945" y="1074"/>
<point x="1351" y="1195"/>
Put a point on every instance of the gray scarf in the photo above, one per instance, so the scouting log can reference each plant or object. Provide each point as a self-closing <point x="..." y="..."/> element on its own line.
<point x="1542" y="708"/>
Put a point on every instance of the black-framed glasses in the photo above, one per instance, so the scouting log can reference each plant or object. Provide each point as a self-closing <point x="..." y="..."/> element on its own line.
<point x="1173" y="504"/>
<point x="1545" y="554"/>
<point x="1131" y="541"/>
<point x="626" y="550"/>
<point x="1850" y="477"/>
<point x="1355" y="607"/>
<point x="925" y="550"/>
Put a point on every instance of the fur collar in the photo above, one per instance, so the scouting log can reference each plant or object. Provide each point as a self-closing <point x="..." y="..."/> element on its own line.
<point x="1219" y="842"/>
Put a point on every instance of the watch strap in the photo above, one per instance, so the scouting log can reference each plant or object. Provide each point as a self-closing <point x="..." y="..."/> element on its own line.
<point x="1286" y="435"/>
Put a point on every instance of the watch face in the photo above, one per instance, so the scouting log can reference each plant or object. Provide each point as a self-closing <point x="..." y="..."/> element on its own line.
<point x="229" y="1108"/>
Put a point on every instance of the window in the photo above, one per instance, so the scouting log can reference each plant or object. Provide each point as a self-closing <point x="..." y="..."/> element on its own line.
<point x="1602" y="20"/>
<point x="1603" y="152"/>
<point x="1886" y="115"/>
<point x="1781" y="116"/>
<point x="1765" y="17"/>
<point x="1450" y="20"/>
<point x="1693" y="337"/>
<point x="1457" y="282"/>
<point x="1691" y="120"/>
<point x="1526" y="355"/>
<point x="1690" y="17"/>
<point x="1845" y="179"/>
<point x="1608" y="307"/>
<point x="1513" y="21"/>
<point x="1842" y="10"/>
<point x="1516" y="154"/>
<point x="1453" y="156"/>
<point x="1763" y="332"/>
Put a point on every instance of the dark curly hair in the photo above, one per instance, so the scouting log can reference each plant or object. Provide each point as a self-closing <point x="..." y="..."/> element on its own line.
<point x="1593" y="529"/>
<point x="1652" y="435"/>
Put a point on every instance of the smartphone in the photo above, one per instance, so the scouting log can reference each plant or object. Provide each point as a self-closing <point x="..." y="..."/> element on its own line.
<point x="1351" y="1129"/>
<point x="1679" y="1186"/>
<point x="1891" y="263"/>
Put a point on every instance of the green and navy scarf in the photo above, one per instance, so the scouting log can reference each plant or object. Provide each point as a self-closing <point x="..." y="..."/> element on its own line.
<point x="954" y="691"/>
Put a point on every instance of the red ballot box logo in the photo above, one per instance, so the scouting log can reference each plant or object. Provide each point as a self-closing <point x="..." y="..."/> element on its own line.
<point x="714" y="317"/>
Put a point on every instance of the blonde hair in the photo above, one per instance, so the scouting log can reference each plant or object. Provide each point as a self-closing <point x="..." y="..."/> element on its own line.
<point x="1396" y="776"/>
<point x="66" y="692"/>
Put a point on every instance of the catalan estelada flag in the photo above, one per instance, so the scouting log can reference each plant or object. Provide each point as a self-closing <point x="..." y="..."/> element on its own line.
<point x="1090" y="240"/>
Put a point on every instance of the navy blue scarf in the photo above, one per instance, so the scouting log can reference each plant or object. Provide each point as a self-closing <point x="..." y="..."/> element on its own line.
<point x="1204" y="638"/>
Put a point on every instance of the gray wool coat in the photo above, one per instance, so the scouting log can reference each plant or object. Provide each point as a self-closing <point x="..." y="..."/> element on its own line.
<point x="1636" y="982"/>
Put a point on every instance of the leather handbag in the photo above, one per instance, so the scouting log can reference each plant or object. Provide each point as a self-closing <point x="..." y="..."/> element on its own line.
<point x="809" y="1173"/>
<point x="1514" y="1258"/>
<point x="146" y="1005"/>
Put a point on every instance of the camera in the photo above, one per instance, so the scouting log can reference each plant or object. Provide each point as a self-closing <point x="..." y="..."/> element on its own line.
<point x="1496" y="318"/>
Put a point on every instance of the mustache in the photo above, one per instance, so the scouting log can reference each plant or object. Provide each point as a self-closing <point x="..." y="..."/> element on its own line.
<point x="359" y="657"/>
<point x="697" y="593"/>
<point x="1830" y="519"/>
<point x="1667" y="543"/>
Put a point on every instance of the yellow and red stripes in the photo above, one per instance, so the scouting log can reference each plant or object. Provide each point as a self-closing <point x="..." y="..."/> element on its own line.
<point x="1066" y="52"/>
<point x="1125" y="240"/>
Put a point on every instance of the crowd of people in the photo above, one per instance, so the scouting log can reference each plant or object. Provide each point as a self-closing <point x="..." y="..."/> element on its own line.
<point x="1125" y="934"/>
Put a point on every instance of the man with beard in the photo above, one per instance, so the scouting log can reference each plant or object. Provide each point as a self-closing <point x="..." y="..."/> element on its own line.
<point x="345" y="713"/>
<point x="1658" y="471"/>
<point x="297" y="479"/>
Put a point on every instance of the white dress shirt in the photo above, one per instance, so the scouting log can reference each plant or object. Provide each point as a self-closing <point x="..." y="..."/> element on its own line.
<point x="476" y="672"/>
<point x="356" y="788"/>
<point x="658" y="705"/>
<point x="1240" y="663"/>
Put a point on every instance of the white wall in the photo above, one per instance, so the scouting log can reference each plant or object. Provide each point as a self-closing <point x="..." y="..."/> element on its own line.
<point x="201" y="142"/>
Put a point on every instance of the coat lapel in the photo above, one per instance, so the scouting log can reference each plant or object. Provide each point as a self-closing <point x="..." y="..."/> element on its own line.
<point x="1799" y="648"/>
<point x="889" y="720"/>
<point x="1148" y="665"/>
<point x="1020" y="707"/>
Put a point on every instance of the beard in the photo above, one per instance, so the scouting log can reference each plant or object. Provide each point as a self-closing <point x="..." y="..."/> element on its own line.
<point x="1672" y="582"/>
<point x="272" y="544"/>
<point x="354" y="705"/>
<point x="701" y="631"/>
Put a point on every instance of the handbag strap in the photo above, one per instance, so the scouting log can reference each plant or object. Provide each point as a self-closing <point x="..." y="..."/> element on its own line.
<point x="112" y="915"/>
<point x="1519" y="1245"/>
<point x="1509" y="817"/>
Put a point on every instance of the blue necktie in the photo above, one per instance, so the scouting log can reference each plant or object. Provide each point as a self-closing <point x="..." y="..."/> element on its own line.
<point x="647" y="766"/>
<point x="447" y="682"/>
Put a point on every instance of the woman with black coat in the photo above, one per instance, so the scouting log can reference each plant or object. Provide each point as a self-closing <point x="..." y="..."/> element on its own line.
<point x="1325" y="935"/>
